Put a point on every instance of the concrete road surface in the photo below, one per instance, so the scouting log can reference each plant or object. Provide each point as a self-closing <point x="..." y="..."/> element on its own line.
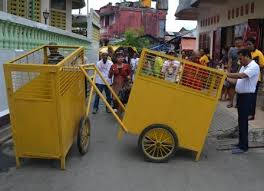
<point x="111" y="165"/>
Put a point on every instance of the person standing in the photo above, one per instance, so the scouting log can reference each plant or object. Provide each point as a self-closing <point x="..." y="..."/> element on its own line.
<point x="170" y="69"/>
<point x="204" y="59"/>
<point x="233" y="67"/>
<point x="121" y="74"/>
<point x="246" y="81"/>
<point x="134" y="64"/>
<point x="103" y="66"/>
<point x="54" y="57"/>
<point x="259" y="59"/>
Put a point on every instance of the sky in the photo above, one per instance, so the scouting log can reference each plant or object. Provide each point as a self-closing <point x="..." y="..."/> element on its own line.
<point x="172" y="25"/>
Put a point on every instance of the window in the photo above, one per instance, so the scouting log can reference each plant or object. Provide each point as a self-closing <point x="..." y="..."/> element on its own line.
<point x="106" y="21"/>
<point x="58" y="4"/>
<point x="1" y="5"/>
<point x="237" y="12"/>
<point x="247" y="9"/>
<point x="204" y="41"/>
<point x="242" y="11"/>
<point x="252" y="7"/>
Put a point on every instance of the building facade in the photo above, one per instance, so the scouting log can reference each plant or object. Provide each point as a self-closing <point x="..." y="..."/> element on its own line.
<point x="115" y="20"/>
<point x="220" y="21"/>
<point x="60" y="11"/>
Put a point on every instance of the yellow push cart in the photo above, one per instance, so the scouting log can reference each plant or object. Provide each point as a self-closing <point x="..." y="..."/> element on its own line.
<point x="167" y="113"/>
<point x="46" y="94"/>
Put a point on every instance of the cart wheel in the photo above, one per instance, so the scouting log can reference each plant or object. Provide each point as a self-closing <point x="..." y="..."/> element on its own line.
<point x="157" y="143"/>
<point x="83" y="139"/>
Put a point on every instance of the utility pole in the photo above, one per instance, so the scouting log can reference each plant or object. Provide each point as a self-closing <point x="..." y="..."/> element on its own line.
<point x="88" y="20"/>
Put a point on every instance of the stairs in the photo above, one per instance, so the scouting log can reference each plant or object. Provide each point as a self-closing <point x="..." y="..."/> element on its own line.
<point x="5" y="134"/>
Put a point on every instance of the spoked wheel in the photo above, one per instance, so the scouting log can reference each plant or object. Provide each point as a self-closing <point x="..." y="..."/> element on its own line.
<point x="83" y="139"/>
<point x="157" y="143"/>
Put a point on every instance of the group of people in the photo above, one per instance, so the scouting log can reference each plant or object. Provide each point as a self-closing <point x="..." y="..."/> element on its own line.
<point x="166" y="69"/>
<point x="119" y="75"/>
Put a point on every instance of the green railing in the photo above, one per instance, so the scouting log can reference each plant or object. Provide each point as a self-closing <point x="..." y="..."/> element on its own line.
<point x="19" y="33"/>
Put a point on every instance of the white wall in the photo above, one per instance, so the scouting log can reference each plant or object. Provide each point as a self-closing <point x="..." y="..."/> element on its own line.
<point x="222" y="11"/>
<point x="5" y="56"/>
<point x="69" y="15"/>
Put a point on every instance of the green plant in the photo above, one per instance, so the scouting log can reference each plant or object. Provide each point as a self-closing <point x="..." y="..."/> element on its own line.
<point x="133" y="37"/>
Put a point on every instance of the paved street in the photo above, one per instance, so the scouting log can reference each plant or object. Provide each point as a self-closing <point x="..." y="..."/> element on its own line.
<point x="112" y="165"/>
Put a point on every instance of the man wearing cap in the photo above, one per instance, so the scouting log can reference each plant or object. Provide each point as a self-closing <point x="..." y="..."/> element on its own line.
<point x="103" y="66"/>
<point x="54" y="57"/>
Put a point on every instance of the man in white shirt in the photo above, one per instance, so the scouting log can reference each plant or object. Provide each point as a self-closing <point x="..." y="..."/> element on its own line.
<point x="134" y="64"/>
<point x="170" y="69"/>
<point x="246" y="81"/>
<point x="103" y="66"/>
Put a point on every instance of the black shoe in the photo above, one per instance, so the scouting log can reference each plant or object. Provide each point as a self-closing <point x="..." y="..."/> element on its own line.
<point x="95" y="111"/>
<point x="238" y="151"/>
<point x="251" y="117"/>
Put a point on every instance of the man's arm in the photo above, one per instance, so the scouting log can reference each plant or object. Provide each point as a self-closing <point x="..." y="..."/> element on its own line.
<point x="229" y="62"/>
<point x="237" y="75"/>
<point x="231" y="81"/>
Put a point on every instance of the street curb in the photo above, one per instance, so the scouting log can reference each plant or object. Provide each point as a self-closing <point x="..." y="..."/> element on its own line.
<point x="255" y="133"/>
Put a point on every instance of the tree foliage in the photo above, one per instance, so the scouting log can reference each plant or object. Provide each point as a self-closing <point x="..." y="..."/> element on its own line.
<point x="133" y="37"/>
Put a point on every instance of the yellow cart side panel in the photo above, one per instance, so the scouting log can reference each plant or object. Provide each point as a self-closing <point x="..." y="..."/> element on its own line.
<point x="36" y="128"/>
<point x="189" y="115"/>
<point x="72" y="108"/>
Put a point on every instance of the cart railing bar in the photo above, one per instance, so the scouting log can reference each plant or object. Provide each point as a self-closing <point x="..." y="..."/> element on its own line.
<point x="108" y="85"/>
<point x="91" y="94"/>
<point x="101" y="95"/>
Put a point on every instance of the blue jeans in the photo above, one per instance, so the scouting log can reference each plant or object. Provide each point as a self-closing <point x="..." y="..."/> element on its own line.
<point x="102" y="88"/>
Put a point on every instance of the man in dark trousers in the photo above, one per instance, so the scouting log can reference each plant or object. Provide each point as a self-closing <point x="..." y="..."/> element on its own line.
<point x="246" y="81"/>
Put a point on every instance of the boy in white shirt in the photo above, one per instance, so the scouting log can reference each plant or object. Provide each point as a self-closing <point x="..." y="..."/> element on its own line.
<point x="134" y="64"/>
<point x="103" y="66"/>
<point x="170" y="69"/>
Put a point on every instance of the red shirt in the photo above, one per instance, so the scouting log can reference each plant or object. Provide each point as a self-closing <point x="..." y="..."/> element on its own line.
<point x="120" y="76"/>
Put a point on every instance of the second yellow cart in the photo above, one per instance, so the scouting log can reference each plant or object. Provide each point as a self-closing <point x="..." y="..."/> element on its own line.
<point x="167" y="115"/>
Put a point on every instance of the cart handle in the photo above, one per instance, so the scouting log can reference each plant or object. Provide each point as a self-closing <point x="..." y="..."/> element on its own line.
<point x="87" y="67"/>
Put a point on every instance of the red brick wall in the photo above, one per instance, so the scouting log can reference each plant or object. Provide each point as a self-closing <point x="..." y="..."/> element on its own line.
<point x="136" y="18"/>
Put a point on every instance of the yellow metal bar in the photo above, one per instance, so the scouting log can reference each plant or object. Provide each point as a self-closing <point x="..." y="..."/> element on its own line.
<point x="32" y="67"/>
<point x="72" y="55"/>
<point x="90" y="96"/>
<point x="104" y="100"/>
<point x="46" y="55"/>
<point x="212" y="85"/>
<point x="26" y="54"/>
<point x="144" y="51"/>
<point x="107" y="84"/>
<point x="9" y="87"/>
<point x="112" y="91"/>
<point x="62" y="46"/>
<point x="87" y="66"/>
